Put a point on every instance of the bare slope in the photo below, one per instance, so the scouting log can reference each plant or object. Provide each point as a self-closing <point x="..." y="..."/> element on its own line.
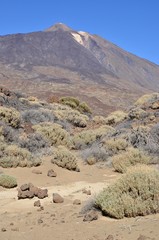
<point x="62" y="61"/>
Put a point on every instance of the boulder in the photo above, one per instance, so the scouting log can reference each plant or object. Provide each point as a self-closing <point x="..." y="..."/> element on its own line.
<point x="57" y="198"/>
<point x="42" y="193"/>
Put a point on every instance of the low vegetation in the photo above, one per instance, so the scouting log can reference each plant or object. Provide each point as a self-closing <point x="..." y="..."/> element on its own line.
<point x="64" y="158"/>
<point x="7" y="181"/>
<point x="129" y="158"/>
<point x="134" y="194"/>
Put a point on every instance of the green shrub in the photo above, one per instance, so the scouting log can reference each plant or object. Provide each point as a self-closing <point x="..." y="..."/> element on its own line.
<point x="129" y="158"/>
<point x="75" y="104"/>
<point x="54" y="133"/>
<point x="84" y="108"/>
<point x="134" y="194"/>
<point x="10" y="116"/>
<point x="64" y="158"/>
<point x="70" y="101"/>
<point x="7" y="181"/>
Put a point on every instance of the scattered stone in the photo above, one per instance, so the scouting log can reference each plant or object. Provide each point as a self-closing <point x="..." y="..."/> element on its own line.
<point x="90" y="216"/>
<point x="31" y="192"/>
<point x="77" y="202"/>
<point x="51" y="173"/>
<point x="40" y="221"/>
<point x="37" y="171"/>
<point x="142" y="237"/>
<point x="25" y="194"/>
<point x="57" y="198"/>
<point x="25" y="187"/>
<point x="37" y="203"/>
<point x="110" y="237"/>
<point x="42" y="193"/>
<point x="11" y="224"/>
<point x="3" y="229"/>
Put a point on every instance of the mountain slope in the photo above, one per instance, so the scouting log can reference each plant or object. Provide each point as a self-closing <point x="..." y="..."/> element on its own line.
<point x="62" y="61"/>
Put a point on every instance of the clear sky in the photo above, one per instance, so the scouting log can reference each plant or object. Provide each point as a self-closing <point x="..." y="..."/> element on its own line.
<point x="130" y="24"/>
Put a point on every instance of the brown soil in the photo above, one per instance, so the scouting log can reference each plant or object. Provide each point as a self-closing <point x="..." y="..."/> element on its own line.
<point x="22" y="220"/>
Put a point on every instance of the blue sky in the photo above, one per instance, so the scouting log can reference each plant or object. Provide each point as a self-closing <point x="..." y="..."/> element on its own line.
<point x="130" y="24"/>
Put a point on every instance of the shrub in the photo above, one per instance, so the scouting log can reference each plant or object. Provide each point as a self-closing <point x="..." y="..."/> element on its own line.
<point x="75" y="104"/>
<point x="147" y="98"/>
<point x="137" y="113"/>
<point x="53" y="133"/>
<point x="129" y="158"/>
<point x="96" y="153"/>
<point x="84" y="108"/>
<point x="72" y="116"/>
<point x="115" y="145"/>
<point x="34" y="142"/>
<point x="86" y="138"/>
<point x="10" y="116"/>
<point x="36" y="116"/>
<point x="7" y="181"/>
<point x="65" y="159"/>
<point x="134" y="194"/>
<point x="70" y="101"/>
<point x="116" y="117"/>
<point x="13" y="156"/>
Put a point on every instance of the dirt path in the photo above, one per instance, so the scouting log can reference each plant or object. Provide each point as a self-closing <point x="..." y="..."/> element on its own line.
<point x="22" y="220"/>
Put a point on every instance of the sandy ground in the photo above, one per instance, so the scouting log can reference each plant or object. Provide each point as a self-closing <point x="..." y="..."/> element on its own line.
<point x="23" y="221"/>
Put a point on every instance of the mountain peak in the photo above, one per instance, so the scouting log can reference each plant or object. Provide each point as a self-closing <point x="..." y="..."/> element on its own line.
<point x="58" y="26"/>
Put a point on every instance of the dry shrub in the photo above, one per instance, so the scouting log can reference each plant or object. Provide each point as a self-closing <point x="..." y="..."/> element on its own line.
<point x="86" y="138"/>
<point x="7" y="181"/>
<point x="10" y="116"/>
<point x="64" y="158"/>
<point x="137" y="113"/>
<point x="115" y="145"/>
<point x="36" y="116"/>
<point x="116" y="117"/>
<point x="129" y="158"/>
<point x="134" y="194"/>
<point x="75" y="104"/>
<point x="14" y="156"/>
<point x="99" y="119"/>
<point x="147" y="98"/>
<point x="72" y="116"/>
<point x="54" y="133"/>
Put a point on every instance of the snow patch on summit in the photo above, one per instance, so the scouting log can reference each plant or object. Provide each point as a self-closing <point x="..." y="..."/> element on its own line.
<point x="78" y="38"/>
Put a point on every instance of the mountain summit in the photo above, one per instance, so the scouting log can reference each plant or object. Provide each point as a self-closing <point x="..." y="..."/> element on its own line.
<point x="58" y="26"/>
<point x="63" y="61"/>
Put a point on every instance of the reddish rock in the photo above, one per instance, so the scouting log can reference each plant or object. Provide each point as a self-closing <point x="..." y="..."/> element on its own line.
<point x="37" y="203"/>
<point x="42" y="193"/>
<point x="25" y="194"/>
<point x="57" y="198"/>
<point x="24" y="187"/>
<point x="90" y="216"/>
<point x="35" y="190"/>
<point x="51" y="173"/>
